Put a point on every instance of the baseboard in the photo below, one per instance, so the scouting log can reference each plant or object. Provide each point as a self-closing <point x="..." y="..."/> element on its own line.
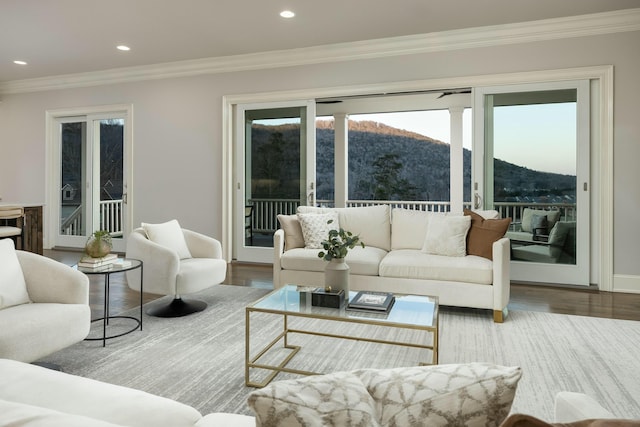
<point x="626" y="283"/>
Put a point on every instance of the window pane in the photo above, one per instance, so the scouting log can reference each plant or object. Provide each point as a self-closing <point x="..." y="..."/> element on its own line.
<point x="400" y="156"/>
<point x="73" y="170"/>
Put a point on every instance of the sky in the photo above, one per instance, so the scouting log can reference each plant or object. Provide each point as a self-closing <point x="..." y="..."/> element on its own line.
<point x="539" y="137"/>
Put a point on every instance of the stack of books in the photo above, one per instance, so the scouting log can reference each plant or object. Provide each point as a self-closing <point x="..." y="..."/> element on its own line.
<point x="90" y="262"/>
<point x="380" y="302"/>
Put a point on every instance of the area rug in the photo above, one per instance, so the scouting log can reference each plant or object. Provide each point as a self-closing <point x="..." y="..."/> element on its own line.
<point x="199" y="359"/>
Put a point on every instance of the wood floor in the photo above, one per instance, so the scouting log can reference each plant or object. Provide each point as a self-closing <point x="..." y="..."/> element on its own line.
<point x="527" y="297"/>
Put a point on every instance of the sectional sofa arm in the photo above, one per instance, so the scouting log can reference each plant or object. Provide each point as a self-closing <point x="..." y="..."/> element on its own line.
<point x="501" y="278"/>
<point x="278" y="250"/>
<point x="50" y="281"/>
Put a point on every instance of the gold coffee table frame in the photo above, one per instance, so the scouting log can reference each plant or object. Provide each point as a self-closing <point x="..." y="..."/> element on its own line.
<point x="289" y="302"/>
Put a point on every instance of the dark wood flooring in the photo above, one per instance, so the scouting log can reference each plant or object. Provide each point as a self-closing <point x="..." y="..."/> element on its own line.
<point x="529" y="297"/>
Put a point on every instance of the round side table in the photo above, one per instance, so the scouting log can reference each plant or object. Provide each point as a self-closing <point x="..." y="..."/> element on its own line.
<point x="107" y="270"/>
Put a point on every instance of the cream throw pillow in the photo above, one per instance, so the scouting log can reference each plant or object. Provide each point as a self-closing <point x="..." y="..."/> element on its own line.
<point x="447" y="235"/>
<point x="293" y="237"/>
<point x="168" y="234"/>
<point x="13" y="288"/>
<point x="315" y="228"/>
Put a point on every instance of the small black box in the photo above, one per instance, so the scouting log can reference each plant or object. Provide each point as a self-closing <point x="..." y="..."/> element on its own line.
<point x="320" y="298"/>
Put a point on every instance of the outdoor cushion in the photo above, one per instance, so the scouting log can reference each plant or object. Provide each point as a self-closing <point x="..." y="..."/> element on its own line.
<point x="527" y="216"/>
<point x="413" y="264"/>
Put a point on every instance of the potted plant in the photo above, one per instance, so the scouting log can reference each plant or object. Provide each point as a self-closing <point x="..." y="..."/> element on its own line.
<point x="336" y="247"/>
<point x="99" y="244"/>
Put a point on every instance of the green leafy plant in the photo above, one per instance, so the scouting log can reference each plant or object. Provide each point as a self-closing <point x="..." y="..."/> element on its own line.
<point x="338" y="244"/>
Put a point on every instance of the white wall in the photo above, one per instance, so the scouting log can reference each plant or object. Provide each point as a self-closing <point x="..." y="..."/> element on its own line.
<point x="178" y="137"/>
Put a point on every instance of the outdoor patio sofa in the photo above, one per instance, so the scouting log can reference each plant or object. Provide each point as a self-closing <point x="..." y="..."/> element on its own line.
<point x="398" y="256"/>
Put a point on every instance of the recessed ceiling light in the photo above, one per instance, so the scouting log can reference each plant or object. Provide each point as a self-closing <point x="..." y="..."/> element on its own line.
<point x="287" y="14"/>
<point x="20" y="62"/>
<point x="123" y="47"/>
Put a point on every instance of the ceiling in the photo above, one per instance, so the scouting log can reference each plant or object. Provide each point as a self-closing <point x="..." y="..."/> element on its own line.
<point x="57" y="37"/>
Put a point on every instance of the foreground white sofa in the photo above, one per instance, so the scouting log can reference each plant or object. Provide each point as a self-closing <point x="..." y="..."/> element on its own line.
<point x="392" y="260"/>
<point x="34" y="396"/>
<point x="44" y="305"/>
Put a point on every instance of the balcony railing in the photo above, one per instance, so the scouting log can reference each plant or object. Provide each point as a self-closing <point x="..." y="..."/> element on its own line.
<point x="265" y="211"/>
<point x="110" y="219"/>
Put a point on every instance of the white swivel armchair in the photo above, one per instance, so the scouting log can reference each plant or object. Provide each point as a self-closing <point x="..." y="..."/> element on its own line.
<point x="44" y="305"/>
<point x="184" y="263"/>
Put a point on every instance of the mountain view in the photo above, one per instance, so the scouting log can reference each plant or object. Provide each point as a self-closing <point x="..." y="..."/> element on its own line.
<point x="386" y="163"/>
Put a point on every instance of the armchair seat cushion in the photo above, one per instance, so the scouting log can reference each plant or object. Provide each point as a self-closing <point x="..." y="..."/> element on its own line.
<point x="40" y="329"/>
<point x="196" y="274"/>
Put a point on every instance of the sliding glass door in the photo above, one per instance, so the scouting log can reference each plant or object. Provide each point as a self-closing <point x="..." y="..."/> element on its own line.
<point x="274" y="170"/>
<point x="532" y="164"/>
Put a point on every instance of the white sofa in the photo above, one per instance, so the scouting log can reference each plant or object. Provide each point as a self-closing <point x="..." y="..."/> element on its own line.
<point x="44" y="305"/>
<point x="32" y="396"/>
<point x="393" y="259"/>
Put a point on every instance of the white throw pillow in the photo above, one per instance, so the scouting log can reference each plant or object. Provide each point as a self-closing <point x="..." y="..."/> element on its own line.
<point x="169" y="235"/>
<point x="315" y="228"/>
<point x="447" y="235"/>
<point x="408" y="228"/>
<point x="13" y="288"/>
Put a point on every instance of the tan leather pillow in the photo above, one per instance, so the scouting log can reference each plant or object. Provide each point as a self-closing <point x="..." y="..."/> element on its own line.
<point x="483" y="233"/>
<point x="293" y="237"/>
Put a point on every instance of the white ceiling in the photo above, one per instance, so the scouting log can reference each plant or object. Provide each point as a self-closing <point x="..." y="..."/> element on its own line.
<point x="60" y="37"/>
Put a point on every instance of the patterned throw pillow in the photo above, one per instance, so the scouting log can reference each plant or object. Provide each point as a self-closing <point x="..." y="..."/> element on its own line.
<point x="338" y="399"/>
<point x="447" y="235"/>
<point x="474" y="394"/>
<point x="315" y="228"/>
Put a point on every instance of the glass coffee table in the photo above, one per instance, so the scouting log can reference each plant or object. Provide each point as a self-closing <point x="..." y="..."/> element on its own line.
<point x="409" y="312"/>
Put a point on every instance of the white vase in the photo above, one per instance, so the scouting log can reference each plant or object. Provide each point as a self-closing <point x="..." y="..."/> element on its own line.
<point x="336" y="275"/>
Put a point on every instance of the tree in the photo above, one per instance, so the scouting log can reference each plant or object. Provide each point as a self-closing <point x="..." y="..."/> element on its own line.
<point x="388" y="183"/>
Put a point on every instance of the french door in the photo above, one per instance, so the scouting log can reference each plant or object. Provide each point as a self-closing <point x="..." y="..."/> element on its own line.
<point x="531" y="162"/>
<point x="274" y="154"/>
<point x="91" y="178"/>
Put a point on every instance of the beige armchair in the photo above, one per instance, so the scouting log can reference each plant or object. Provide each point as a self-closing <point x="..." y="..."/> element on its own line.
<point x="54" y="312"/>
<point x="170" y="268"/>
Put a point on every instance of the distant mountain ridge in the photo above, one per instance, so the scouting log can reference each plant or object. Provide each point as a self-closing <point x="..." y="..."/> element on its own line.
<point x="423" y="165"/>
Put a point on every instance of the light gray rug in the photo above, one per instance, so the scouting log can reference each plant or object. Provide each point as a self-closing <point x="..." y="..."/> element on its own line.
<point x="199" y="359"/>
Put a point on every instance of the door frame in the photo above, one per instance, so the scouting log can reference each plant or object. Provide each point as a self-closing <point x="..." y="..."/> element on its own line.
<point x="601" y="144"/>
<point x="52" y="168"/>
<point x="573" y="274"/>
<point x="256" y="253"/>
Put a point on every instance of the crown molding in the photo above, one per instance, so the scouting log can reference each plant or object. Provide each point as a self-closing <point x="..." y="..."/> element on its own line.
<point x="468" y="38"/>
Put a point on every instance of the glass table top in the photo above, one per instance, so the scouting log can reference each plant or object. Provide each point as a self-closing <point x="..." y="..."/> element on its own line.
<point x="408" y="309"/>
